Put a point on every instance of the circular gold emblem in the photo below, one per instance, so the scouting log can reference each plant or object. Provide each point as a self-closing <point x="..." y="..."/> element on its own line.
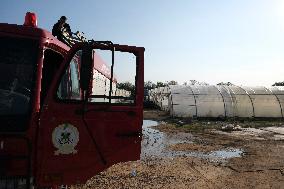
<point x="65" y="137"/>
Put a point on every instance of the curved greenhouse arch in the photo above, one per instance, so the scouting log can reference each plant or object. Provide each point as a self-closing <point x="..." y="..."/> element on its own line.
<point x="220" y="101"/>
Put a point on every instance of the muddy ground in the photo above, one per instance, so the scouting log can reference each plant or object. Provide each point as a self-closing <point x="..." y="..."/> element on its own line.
<point x="202" y="154"/>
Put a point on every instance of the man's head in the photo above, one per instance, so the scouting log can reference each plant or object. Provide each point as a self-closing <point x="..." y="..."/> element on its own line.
<point x="63" y="19"/>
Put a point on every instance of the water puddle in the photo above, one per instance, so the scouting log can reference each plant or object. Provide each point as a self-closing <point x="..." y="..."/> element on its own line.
<point x="155" y="143"/>
<point x="218" y="155"/>
<point x="228" y="153"/>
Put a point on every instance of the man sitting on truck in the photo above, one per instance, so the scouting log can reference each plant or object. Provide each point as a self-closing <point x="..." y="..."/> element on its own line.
<point x="60" y="27"/>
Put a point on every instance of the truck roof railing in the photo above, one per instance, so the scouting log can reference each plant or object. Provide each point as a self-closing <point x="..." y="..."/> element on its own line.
<point x="70" y="38"/>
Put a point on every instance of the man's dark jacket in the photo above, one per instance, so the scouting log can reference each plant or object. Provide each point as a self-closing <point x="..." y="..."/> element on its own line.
<point x="56" y="30"/>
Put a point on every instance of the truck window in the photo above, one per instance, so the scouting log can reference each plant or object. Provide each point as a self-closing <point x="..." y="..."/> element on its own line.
<point x="69" y="88"/>
<point x="122" y="85"/>
<point x="123" y="89"/>
<point x="51" y="64"/>
<point x="17" y="74"/>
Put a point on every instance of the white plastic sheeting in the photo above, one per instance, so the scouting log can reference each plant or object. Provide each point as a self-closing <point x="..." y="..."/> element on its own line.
<point x="220" y="101"/>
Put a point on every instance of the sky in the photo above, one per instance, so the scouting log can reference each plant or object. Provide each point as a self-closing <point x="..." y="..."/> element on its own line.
<point x="212" y="41"/>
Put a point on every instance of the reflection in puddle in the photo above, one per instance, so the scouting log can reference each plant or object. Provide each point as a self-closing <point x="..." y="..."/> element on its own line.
<point x="155" y="143"/>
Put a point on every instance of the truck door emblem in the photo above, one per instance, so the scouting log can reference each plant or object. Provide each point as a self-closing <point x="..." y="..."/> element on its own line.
<point x="65" y="137"/>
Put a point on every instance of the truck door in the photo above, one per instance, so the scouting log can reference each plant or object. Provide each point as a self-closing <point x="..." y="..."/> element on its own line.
<point x="83" y="133"/>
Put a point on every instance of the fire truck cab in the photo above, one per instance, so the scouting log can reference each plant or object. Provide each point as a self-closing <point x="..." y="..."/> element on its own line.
<point x="63" y="116"/>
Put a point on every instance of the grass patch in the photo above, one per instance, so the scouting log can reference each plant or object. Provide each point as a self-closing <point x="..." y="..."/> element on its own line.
<point x="200" y="126"/>
<point x="196" y="127"/>
<point x="193" y="128"/>
<point x="260" y="123"/>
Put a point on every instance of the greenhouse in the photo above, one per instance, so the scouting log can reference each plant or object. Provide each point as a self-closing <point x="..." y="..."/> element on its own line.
<point x="220" y="101"/>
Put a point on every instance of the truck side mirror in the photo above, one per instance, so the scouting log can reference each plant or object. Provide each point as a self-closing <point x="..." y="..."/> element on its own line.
<point x="86" y="67"/>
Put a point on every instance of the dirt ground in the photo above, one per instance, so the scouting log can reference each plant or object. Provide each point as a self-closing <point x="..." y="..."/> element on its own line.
<point x="195" y="161"/>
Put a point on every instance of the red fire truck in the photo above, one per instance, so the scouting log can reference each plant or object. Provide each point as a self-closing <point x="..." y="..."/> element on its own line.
<point x="63" y="119"/>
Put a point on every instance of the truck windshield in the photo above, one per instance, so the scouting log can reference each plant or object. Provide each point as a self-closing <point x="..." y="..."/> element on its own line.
<point x="17" y="71"/>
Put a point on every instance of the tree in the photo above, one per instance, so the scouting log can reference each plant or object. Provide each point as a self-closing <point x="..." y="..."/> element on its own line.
<point x="149" y="85"/>
<point x="278" y="83"/>
<point x="194" y="82"/>
<point x="160" y="84"/>
<point x="171" y="83"/>
<point x="127" y="86"/>
<point x="225" y="83"/>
